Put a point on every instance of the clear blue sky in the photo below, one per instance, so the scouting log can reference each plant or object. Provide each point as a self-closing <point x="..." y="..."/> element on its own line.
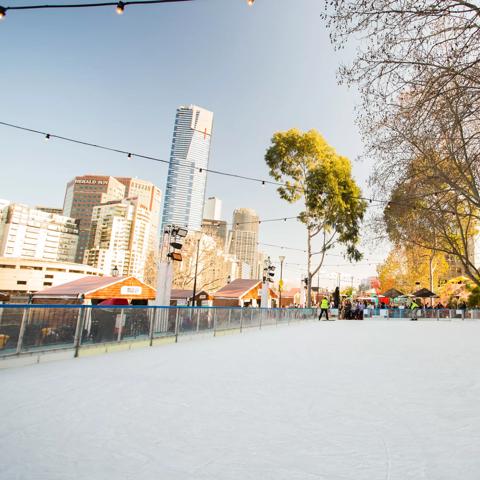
<point x="117" y="80"/>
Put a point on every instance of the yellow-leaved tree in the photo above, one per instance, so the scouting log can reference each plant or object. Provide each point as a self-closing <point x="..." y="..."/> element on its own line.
<point x="408" y="268"/>
<point x="310" y="171"/>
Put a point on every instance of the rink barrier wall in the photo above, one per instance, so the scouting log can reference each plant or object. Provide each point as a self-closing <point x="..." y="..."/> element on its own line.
<point x="38" y="333"/>
<point x="34" y="333"/>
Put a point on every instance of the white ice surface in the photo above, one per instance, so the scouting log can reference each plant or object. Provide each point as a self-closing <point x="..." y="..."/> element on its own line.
<point x="324" y="400"/>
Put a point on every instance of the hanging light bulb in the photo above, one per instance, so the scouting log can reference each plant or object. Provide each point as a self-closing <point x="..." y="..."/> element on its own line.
<point x="120" y="7"/>
<point x="129" y="155"/>
<point x="250" y="2"/>
<point x="263" y="182"/>
<point x="47" y="137"/>
<point x="3" y="12"/>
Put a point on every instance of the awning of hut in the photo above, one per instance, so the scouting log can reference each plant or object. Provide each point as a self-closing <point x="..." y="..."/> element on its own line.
<point x="424" y="293"/>
<point x="114" y="301"/>
<point x="101" y="288"/>
<point x="241" y="289"/>
<point x="393" y="293"/>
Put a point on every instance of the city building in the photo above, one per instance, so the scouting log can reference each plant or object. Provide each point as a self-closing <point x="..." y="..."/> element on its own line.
<point x="218" y="230"/>
<point x="120" y="238"/>
<point x="212" y="209"/>
<point x="21" y="276"/>
<point x="187" y="176"/>
<point x="31" y="233"/>
<point x="244" y="238"/>
<point x="150" y="197"/>
<point x="82" y="194"/>
<point x="58" y="211"/>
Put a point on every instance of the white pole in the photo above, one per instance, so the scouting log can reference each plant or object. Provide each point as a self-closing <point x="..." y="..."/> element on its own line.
<point x="264" y="297"/>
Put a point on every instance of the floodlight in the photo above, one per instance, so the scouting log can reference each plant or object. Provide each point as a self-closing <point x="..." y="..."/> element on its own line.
<point x="175" y="256"/>
<point x="182" y="232"/>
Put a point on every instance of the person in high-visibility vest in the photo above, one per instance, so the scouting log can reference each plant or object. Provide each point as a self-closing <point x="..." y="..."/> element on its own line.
<point x="414" y="306"/>
<point x="324" y="308"/>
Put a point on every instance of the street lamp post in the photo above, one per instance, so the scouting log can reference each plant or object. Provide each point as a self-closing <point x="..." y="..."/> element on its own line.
<point x="196" y="271"/>
<point x="280" y="283"/>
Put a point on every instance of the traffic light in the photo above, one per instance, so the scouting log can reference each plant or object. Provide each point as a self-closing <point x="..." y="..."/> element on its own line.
<point x="271" y="273"/>
<point x="268" y="271"/>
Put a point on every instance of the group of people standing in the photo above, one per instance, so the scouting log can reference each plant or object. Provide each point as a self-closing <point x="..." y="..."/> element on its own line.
<point x="353" y="309"/>
<point x="348" y="310"/>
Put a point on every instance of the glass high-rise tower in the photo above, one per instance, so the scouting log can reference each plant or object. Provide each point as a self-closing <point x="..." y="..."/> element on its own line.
<point x="187" y="178"/>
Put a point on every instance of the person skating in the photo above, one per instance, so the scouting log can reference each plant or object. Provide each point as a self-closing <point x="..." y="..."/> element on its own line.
<point x="414" y="306"/>
<point x="324" y="308"/>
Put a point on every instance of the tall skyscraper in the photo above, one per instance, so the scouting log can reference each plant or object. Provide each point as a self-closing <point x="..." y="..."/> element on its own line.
<point x="244" y="238"/>
<point x="28" y="232"/>
<point x="186" y="181"/>
<point x="81" y="195"/>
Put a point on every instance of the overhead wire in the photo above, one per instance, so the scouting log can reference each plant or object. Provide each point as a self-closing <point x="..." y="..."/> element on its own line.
<point x="90" y="4"/>
<point x="262" y="181"/>
<point x="130" y="154"/>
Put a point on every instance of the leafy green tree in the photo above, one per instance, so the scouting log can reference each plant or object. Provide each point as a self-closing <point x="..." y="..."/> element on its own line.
<point x="312" y="172"/>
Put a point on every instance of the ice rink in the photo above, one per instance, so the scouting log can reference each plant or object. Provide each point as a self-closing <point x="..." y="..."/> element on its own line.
<point x="320" y="400"/>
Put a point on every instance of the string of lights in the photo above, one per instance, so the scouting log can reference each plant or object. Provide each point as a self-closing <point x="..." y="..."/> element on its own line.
<point x="257" y="222"/>
<point x="387" y="203"/>
<point x="359" y="264"/>
<point x="130" y="154"/>
<point x="119" y="5"/>
<point x="302" y="270"/>
<point x="281" y="247"/>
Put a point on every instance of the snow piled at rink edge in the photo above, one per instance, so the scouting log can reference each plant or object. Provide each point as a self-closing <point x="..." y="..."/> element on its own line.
<point x="319" y="400"/>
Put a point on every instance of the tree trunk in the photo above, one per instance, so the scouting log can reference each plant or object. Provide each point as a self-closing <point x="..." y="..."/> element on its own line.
<point x="309" y="267"/>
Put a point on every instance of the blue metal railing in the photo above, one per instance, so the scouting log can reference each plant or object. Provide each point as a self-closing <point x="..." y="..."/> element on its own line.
<point x="35" y="328"/>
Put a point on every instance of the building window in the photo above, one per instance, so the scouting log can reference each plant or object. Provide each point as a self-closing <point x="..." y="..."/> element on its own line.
<point x="7" y="266"/>
<point x="21" y="282"/>
<point x="47" y="284"/>
<point x="48" y="276"/>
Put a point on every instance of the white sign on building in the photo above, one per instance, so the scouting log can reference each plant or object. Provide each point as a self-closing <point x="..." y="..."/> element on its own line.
<point x="130" y="290"/>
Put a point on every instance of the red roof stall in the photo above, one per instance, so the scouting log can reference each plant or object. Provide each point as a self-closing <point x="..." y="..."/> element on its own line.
<point x="93" y="290"/>
<point x="242" y="293"/>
